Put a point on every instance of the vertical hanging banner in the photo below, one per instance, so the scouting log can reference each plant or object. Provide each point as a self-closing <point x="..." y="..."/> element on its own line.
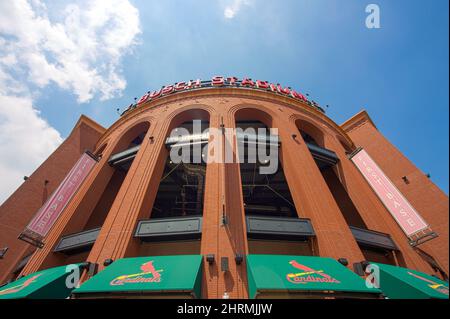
<point x="47" y="215"/>
<point x="412" y="224"/>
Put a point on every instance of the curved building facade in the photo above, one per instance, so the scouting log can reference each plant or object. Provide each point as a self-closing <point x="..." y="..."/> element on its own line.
<point x="137" y="201"/>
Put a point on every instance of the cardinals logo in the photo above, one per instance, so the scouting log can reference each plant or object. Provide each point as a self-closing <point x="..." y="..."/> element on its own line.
<point x="433" y="285"/>
<point x="148" y="274"/>
<point x="20" y="287"/>
<point x="308" y="274"/>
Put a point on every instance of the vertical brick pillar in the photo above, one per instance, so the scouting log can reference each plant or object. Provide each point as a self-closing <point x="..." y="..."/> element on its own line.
<point x="133" y="201"/>
<point x="371" y="209"/>
<point x="223" y="197"/>
<point x="313" y="198"/>
<point x="211" y="223"/>
<point x="234" y="232"/>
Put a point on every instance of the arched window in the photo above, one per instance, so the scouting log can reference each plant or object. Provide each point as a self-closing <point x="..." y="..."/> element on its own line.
<point x="266" y="194"/>
<point x="175" y="213"/>
<point x="327" y="162"/>
<point x="263" y="194"/>
<point x="181" y="187"/>
<point x="310" y="133"/>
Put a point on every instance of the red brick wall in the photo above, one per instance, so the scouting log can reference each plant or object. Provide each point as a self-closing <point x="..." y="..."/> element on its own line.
<point x="430" y="201"/>
<point x="223" y="193"/>
<point x="20" y="207"/>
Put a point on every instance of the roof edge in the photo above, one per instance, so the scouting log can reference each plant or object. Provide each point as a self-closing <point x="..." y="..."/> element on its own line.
<point x="356" y="120"/>
<point x="89" y="122"/>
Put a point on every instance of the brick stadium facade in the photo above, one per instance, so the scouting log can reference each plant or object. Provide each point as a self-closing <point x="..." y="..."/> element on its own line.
<point x="317" y="183"/>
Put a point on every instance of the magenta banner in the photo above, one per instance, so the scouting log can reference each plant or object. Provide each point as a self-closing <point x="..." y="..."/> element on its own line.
<point x="399" y="207"/>
<point x="47" y="215"/>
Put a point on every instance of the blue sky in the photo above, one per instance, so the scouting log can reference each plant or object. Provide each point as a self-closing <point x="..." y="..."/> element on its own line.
<point x="398" y="73"/>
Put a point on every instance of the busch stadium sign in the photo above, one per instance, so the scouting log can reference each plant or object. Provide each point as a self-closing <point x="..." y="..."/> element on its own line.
<point x="223" y="82"/>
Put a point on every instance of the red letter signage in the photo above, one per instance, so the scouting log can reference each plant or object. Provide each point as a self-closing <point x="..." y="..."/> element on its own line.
<point x="220" y="81"/>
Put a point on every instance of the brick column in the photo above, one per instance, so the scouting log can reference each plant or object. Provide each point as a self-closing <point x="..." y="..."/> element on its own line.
<point x="371" y="209"/>
<point x="223" y="197"/>
<point x="211" y="223"/>
<point x="234" y="233"/>
<point x="133" y="201"/>
<point x="313" y="198"/>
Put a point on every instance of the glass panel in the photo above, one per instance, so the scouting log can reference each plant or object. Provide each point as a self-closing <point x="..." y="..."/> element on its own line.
<point x="181" y="188"/>
<point x="263" y="194"/>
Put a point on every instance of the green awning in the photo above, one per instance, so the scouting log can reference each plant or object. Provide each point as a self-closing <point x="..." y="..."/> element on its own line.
<point x="169" y="275"/>
<point x="275" y="274"/>
<point x="44" y="284"/>
<point x="403" y="283"/>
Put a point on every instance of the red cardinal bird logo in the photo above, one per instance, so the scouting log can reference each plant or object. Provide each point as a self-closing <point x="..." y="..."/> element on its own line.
<point x="308" y="275"/>
<point x="148" y="268"/>
<point x="148" y="274"/>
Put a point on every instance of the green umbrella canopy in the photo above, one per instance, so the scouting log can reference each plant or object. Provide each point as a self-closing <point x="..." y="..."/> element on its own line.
<point x="181" y="273"/>
<point x="403" y="283"/>
<point x="45" y="284"/>
<point x="302" y="273"/>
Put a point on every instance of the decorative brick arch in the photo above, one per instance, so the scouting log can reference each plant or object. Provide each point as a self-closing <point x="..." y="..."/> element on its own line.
<point x="247" y="111"/>
<point x="312" y="130"/>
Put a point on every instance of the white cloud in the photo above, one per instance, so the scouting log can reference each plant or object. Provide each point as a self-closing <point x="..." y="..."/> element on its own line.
<point x="80" y="52"/>
<point x="79" y="48"/>
<point x="25" y="141"/>
<point x="234" y="7"/>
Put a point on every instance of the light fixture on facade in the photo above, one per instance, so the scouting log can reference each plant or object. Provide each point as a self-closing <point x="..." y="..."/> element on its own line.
<point x="210" y="258"/>
<point x="107" y="262"/>
<point x="3" y="252"/>
<point x="238" y="259"/>
<point x="92" y="269"/>
<point x="343" y="261"/>
<point x="364" y="264"/>
<point x="224" y="266"/>
<point x="358" y="269"/>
